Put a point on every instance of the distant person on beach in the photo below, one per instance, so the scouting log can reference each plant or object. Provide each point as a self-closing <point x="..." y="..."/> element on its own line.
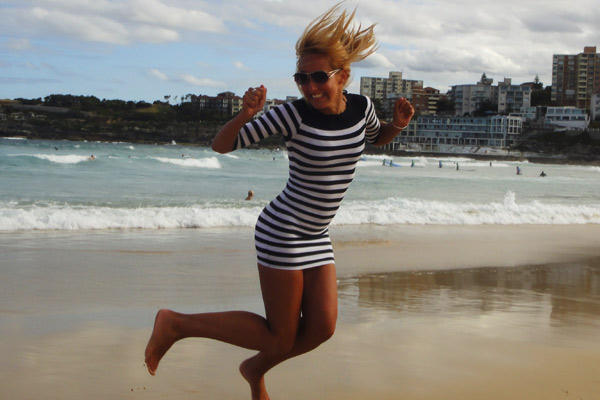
<point x="250" y="195"/>
<point x="542" y="174"/>
<point x="325" y="134"/>
<point x="518" y="170"/>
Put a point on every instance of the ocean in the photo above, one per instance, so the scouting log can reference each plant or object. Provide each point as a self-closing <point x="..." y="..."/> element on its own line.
<point x="55" y="185"/>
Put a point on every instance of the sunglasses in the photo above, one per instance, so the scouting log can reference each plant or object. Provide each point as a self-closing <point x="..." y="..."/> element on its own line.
<point x="302" y="78"/>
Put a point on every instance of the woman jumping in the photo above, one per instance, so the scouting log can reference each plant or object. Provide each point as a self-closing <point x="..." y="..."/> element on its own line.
<point x="325" y="134"/>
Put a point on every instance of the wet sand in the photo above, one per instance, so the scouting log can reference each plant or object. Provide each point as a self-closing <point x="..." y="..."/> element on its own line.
<point x="426" y="312"/>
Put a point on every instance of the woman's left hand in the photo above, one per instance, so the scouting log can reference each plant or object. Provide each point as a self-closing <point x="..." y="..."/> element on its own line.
<point x="403" y="112"/>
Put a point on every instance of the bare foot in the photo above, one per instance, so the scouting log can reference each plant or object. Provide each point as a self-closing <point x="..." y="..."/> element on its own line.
<point x="255" y="380"/>
<point x="163" y="337"/>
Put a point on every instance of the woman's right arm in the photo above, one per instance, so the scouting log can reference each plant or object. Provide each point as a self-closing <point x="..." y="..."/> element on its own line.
<point x="253" y="101"/>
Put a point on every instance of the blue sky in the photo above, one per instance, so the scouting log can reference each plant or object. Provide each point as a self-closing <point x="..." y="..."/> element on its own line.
<point x="146" y="49"/>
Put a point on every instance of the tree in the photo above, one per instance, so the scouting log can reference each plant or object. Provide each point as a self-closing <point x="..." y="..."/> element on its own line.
<point x="541" y="97"/>
<point x="445" y="106"/>
<point x="486" y="107"/>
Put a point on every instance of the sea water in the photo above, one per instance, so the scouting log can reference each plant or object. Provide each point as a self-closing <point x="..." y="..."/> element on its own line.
<point x="57" y="185"/>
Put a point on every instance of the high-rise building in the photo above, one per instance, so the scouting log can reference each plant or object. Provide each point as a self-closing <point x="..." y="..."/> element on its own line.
<point x="575" y="78"/>
<point x="384" y="88"/>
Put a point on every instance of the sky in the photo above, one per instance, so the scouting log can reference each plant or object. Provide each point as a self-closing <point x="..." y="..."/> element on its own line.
<point x="148" y="49"/>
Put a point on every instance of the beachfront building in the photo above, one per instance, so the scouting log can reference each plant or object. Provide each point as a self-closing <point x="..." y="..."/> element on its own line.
<point x="575" y="78"/>
<point x="384" y="88"/>
<point x="470" y="97"/>
<point x="512" y="97"/>
<point x="432" y="96"/>
<point x="567" y="117"/>
<point x="375" y="88"/>
<point x="440" y="134"/>
<point x="225" y="103"/>
<point x="385" y="91"/>
<point x="269" y="104"/>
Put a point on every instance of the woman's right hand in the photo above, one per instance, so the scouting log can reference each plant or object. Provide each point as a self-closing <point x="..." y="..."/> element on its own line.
<point x="254" y="101"/>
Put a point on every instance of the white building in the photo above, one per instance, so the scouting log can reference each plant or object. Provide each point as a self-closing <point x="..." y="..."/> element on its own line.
<point x="512" y="97"/>
<point x="391" y="87"/>
<point x="567" y="117"/>
<point x="468" y="98"/>
<point x="436" y="133"/>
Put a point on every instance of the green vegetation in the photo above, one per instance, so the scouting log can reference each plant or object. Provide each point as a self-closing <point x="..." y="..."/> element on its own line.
<point x="60" y="116"/>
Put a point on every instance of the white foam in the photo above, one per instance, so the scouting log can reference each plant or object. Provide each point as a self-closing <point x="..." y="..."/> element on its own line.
<point x="13" y="138"/>
<point x="407" y="211"/>
<point x="210" y="162"/>
<point x="62" y="159"/>
<point x="65" y="217"/>
<point x="383" y="212"/>
<point x="231" y="156"/>
<point x="369" y="163"/>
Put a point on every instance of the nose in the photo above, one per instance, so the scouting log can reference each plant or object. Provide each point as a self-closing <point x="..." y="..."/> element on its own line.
<point x="309" y="86"/>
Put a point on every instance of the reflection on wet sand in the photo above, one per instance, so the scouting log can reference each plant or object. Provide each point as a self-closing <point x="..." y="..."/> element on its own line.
<point x="570" y="293"/>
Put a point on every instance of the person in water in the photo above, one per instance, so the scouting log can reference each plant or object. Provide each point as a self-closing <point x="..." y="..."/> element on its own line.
<point x="250" y="195"/>
<point x="325" y="133"/>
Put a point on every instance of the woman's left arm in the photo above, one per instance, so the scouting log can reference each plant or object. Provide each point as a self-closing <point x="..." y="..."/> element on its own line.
<point x="403" y="113"/>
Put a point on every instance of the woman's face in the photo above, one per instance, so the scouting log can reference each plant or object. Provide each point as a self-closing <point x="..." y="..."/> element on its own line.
<point x="326" y="97"/>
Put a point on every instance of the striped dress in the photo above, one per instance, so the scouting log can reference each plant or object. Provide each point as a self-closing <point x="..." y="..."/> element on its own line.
<point x="292" y="231"/>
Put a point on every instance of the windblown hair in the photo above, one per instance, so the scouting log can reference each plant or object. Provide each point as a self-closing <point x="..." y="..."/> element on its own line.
<point x="332" y="35"/>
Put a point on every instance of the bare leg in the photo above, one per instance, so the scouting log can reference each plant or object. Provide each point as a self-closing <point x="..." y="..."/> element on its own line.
<point x="319" y="314"/>
<point x="274" y="335"/>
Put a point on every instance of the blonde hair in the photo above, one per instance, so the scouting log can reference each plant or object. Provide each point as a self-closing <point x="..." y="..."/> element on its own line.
<point x="331" y="35"/>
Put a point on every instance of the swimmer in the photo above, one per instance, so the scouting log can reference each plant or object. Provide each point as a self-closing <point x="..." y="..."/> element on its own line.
<point x="92" y="157"/>
<point x="250" y="195"/>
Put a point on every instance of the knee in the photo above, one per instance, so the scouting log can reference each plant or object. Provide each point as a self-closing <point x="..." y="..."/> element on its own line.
<point x="327" y="330"/>
<point x="283" y="344"/>
<point x="322" y="331"/>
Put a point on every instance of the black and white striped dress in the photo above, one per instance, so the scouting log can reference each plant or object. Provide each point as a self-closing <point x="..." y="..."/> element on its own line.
<point x="323" y="150"/>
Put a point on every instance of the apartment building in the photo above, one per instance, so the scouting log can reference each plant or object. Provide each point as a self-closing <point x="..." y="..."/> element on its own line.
<point x="468" y="98"/>
<point x="226" y="103"/>
<point x="575" y="78"/>
<point x="513" y="97"/>
<point x="392" y="86"/>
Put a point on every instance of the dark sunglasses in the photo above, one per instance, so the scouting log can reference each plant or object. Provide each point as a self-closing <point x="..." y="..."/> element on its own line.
<point x="302" y="78"/>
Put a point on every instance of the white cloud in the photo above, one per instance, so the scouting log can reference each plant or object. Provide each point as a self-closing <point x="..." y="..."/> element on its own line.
<point x="157" y="74"/>
<point x="192" y="80"/>
<point x="123" y="22"/>
<point x="376" y="60"/>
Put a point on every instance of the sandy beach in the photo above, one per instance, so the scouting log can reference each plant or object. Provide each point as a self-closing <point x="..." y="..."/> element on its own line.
<point x="426" y="312"/>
